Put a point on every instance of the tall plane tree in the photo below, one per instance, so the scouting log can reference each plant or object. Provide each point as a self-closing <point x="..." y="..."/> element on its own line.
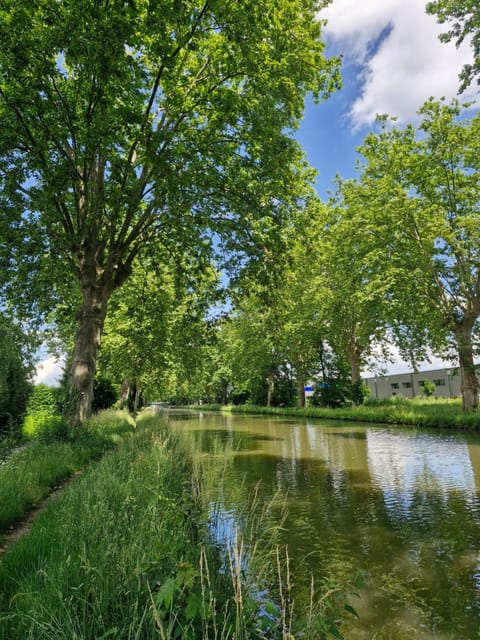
<point x="124" y="122"/>
<point x="426" y="184"/>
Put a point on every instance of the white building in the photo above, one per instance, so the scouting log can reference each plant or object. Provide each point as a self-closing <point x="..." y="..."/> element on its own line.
<point x="410" y="385"/>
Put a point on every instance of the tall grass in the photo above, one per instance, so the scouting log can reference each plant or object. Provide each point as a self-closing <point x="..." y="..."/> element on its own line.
<point x="28" y="474"/>
<point x="118" y="532"/>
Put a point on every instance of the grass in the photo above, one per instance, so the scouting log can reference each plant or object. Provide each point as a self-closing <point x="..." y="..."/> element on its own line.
<point x="403" y="411"/>
<point x="117" y="532"/>
<point x="28" y="474"/>
<point x="126" y="553"/>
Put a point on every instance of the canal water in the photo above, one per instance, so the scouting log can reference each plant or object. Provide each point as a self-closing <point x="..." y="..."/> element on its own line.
<point x="400" y="505"/>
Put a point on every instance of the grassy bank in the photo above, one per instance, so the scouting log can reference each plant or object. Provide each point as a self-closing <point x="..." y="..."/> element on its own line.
<point x="28" y="474"/>
<point x="119" y="532"/>
<point x="126" y="553"/>
<point x="402" y="411"/>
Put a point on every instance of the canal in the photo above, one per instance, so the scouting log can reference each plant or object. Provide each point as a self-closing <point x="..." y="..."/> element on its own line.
<point x="402" y="506"/>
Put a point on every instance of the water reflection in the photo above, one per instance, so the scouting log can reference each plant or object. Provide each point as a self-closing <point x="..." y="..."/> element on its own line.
<point x="401" y="505"/>
<point x="404" y="464"/>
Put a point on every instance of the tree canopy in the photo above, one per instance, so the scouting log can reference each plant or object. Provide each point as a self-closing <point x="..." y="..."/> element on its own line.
<point x="426" y="183"/>
<point x="137" y="121"/>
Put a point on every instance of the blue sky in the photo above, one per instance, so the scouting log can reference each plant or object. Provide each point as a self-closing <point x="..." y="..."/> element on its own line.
<point x="393" y="62"/>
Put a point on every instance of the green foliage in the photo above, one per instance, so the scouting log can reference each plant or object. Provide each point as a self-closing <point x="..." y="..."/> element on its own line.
<point x="360" y="391"/>
<point x="464" y="18"/>
<point x="421" y="190"/>
<point x="14" y="374"/>
<point x="42" y="417"/>
<point x="332" y="392"/>
<point x="156" y="335"/>
<point x="105" y="394"/>
<point x="428" y="388"/>
<point x="44" y="426"/>
<point x="42" y="400"/>
<point x="178" y="131"/>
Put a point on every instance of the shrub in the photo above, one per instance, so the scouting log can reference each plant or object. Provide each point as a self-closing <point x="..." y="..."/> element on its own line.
<point x="42" y="400"/>
<point x="428" y="388"/>
<point x="42" y="418"/>
<point x="14" y="373"/>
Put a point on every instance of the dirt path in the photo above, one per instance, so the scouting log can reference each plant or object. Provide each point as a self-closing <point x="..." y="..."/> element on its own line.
<point x="20" y="528"/>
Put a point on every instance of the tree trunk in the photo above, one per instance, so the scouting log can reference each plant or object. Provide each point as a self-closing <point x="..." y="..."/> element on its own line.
<point x="124" y="393"/>
<point x="354" y="357"/>
<point x="90" y="318"/>
<point x="136" y="401"/>
<point x="270" y="389"/>
<point x="469" y="382"/>
<point x="354" y="354"/>
<point x="300" y="390"/>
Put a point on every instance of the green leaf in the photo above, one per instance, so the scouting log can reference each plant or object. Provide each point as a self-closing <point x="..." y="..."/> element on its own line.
<point x="351" y="610"/>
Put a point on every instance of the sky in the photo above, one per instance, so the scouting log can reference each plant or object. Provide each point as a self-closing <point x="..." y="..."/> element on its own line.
<point x="392" y="62"/>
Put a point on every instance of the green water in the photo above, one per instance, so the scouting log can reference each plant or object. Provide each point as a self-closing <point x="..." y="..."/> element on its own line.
<point x="401" y="505"/>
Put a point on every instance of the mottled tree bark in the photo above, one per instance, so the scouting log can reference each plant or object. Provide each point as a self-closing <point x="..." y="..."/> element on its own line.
<point x="90" y="318"/>
<point x="270" y="390"/>
<point x="99" y="276"/>
<point x="354" y="357"/>
<point x="354" y="354"/>
<point x="300" y="390"/>
<point x="469" y="381"/>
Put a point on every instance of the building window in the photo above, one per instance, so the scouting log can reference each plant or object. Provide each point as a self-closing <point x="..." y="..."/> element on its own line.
<point x="420" y="383"/>
<point x="395" y="385"/>
<point x="439" y="383"/>
<point x="407" y="385"/>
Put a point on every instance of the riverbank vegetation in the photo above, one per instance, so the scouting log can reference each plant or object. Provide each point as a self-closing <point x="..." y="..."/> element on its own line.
<point x="128" y="551"/>
<point x="435" y="412"/>
<point x="30" y="471"/>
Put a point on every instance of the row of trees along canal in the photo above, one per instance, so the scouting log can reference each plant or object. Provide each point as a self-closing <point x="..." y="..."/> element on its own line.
<point x="132" y="173"/>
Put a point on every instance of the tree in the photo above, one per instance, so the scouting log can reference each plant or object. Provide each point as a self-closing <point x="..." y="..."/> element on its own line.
<point x="427" y="186"/>
<point x="251" y="339"/>
<point x="350" y="275"/>
<point x="464" y="16"/>
<point x="428" y="388"/>
<point x="134" y="121"/>
<point x="15" y="371"/>
<point x="156" y="328"/>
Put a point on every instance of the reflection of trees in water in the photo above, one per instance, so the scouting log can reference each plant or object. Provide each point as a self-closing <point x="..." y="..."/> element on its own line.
<point x="337" y="523"/>
<point x="401" y="506"/>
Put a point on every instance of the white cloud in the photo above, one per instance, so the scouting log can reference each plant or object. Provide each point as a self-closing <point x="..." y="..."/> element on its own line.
<point x="49" y="371"/>
<point x="395" y="45"/>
